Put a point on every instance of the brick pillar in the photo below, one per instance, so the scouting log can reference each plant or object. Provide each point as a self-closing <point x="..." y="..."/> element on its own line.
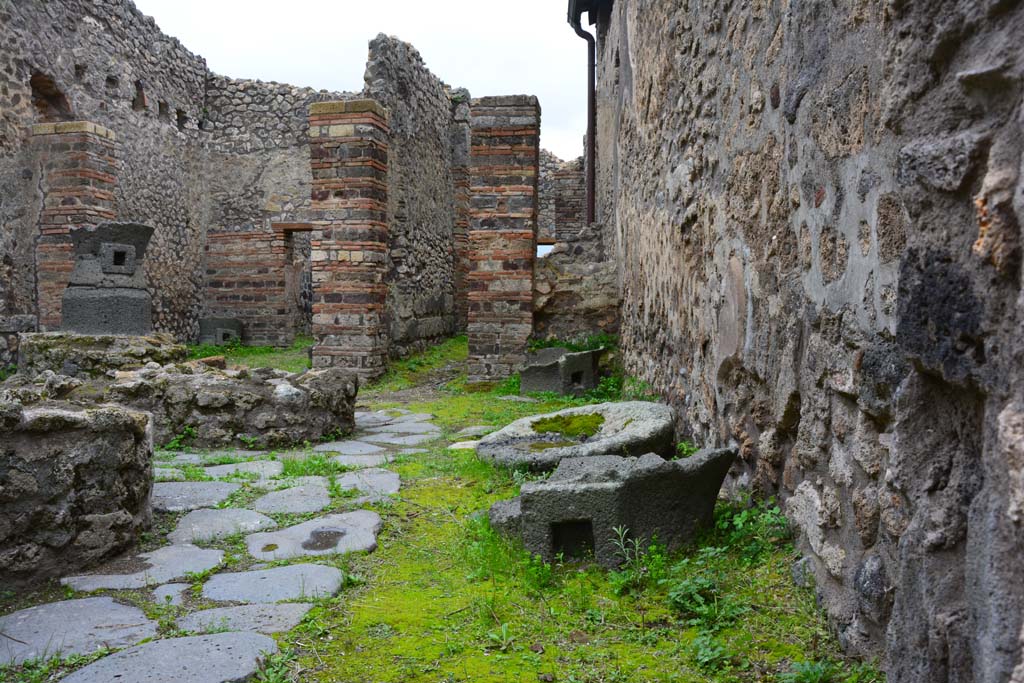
<point x="504" y="170"/>
<point x="79" y="166"/>
<point x="461" y="142"/>
<point x="349" y="241"/>
<point x="245" y="279"/>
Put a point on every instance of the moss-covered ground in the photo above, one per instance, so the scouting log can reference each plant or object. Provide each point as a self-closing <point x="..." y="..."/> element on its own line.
<point x="446" y="599"/>
<point x="294" y="358"/>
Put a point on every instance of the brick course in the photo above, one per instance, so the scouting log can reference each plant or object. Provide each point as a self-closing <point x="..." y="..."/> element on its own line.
<point x="349" y="159"/>
<point x="504" y="170"/>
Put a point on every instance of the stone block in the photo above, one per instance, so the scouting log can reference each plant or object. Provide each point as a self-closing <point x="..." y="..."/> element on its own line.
<point x="219" y="330"/>
<point x="560" y="371"/>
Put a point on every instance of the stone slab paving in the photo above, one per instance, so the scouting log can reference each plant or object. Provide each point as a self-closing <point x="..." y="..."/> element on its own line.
<point x="400" y="439"/>
<point x="480" y="430"/>
<point x="364" y="419"/>
<point x="298" y="499"/>
<point x="168" y="474"/>
<point x="71" y="627"/>
<point x="407" y="427"/>
<point x="345" y="533"/>
<point x="373" y="482"/>
<point x="209" y="525"/>
<point x="360" y="461"/>
<point x="406" y="416"/>
<point x="183" y="496"/>
<point x="349" y="448"/>
<point x="264" y="468"/>
<point x="190" y="458"/>
<point x="218" y="658"/>
<point x="289" y="482"/>
<point x="464" y="446"/>
<point x="293" y="582"/>
<point x="164" y="564"/>
<point x="170" y="593"/>
<point x="257" y="618"/>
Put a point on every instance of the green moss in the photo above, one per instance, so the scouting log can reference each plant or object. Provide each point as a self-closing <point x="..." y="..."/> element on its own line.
<point x="294" y="358"/>
<point x="573" y="426"/>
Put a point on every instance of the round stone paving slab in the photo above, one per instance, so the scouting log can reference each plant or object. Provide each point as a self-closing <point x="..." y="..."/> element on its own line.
<point x="71" y="627"/>
<point x="263" y="468"/>
<point x="630" y="428"/>
<point x="298" y="499"/>
<point x="257" y="618"/>
<point x="181" y="496"/>
<point x="407" y="427"/>
<point x="373" y="482"/>
<point x="349" y="448"/>
<point x="345" y="533"/>
<point x="208" y="525"/>
<point x="168" y="474"/>
<point x="218" y="658"/>
<point x="294" y="582"/>
<point x="394" y="439"/>
<point x="361" y="461"/>
<point x="164" y="564"/>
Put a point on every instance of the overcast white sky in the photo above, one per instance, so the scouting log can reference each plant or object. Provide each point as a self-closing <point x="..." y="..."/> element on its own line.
<point x="490" y="47"/>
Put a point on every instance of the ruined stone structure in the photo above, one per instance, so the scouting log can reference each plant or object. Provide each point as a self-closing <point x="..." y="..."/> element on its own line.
<point x="815" y="209"/>
<point x="250" y="190"/>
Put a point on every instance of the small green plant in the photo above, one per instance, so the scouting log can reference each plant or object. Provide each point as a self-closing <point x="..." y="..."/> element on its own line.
<point x="754" y="530"/>
<point x="710" y="653"/>
<point x="252" y="442"/>
<point x="685" y="449"/>
<point x="277" y="668"/>
<point x="187" y="435"/>
<point x="700" y="599"/>
<point x="592" y="342"/>
<point x="812" y="672"/>
<point x="7" y="371"/>
<point x="640" y="566"/>
<point x="501" y="639"/>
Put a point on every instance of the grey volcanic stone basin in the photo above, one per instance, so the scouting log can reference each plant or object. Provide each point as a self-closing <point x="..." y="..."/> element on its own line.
<point x="630" y="428"/>
<point x="575" y="511"/>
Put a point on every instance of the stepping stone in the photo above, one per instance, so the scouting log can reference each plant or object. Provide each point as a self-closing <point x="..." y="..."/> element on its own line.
<point x="464" y="446"/>
<point x="218" y="658"/>
<point x="346" y="533"/>
<point x="414" y="417"/>
<point x="174" y="591"/>
<point x="298" y="499"/>
<point x="348" y="448"/>
<point x="182" y="496"/>
<point x="274" y="585"/>
<point x="189" y="458"/>
<point x="290" y="482"/>
<point x="165" y="564"/>
<point x="258" y="618"/>
<point x="360" y="461"/>
<point x="364" y="420"/>
<point x="400" y="439"/>
<point x="413" y="451"/>
<point x="407" y="428"/>
<point x="70" y="627"/>
<point x="482" y="430"/>
<point x="209" y="525"/>
<point x="168" y="474"/>
<point x="373" y="482"/>
<point x="264" y="468"/>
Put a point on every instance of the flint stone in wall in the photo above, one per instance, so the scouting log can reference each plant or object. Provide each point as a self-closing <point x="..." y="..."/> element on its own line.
<point x="74" y="486"/>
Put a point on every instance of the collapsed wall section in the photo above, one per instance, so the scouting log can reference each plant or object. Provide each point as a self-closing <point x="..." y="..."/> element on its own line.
<point x="421" y="196"/>
<point x="817" y="215"/>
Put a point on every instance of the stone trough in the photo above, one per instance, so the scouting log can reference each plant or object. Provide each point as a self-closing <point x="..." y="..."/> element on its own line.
<point x="574" y="512"/>
<point x="630" y="428"/>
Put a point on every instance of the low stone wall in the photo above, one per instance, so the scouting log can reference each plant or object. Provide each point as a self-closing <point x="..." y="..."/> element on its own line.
<point x="79" y="355"/>
<point x="11" y="327"/>
<point x="262" y="408"/>
<point x="74" y="487"/>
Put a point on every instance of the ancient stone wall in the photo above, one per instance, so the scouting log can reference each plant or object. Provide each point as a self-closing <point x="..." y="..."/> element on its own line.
<point x="549" y="164"/>
<point x="421" y="195"/>
<point x="102" y="61"/>
<point x="816" y="210"/>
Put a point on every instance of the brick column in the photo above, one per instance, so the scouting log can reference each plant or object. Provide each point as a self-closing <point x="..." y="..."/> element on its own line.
<point x="245" y="279"/>
<point x="349" y="241"/>
<point x="79" y="167"/>
<point x="461" y="143"/>
<point x="504" y="171"/>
